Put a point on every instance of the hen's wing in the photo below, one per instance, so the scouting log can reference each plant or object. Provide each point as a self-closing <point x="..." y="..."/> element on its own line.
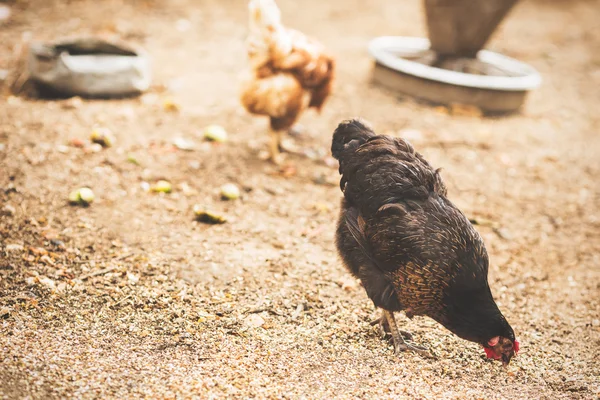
<point x="358" y="256"/>
<point x="385" y="170"/>
<point x="310" y="63"/>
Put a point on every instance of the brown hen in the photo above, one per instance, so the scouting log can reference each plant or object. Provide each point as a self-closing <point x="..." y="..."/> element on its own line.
<point x="289" y="72"/>
<point x="412" y="249"/>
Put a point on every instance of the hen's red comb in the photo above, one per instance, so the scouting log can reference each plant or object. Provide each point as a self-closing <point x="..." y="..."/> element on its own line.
<point x="490" y="353"/>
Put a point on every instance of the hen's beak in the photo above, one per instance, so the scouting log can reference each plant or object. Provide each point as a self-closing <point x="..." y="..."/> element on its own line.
<point x="506" y="359"/>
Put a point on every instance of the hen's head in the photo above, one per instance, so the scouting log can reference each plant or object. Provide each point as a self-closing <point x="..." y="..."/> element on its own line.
<point x="265" y="13"/>
<point x="501" y="348"/>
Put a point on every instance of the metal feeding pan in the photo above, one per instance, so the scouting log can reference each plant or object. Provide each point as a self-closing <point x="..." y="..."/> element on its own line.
<point x="499" y="85"/>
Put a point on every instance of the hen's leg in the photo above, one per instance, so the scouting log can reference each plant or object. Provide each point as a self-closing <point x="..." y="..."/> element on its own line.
<point x="399" y="343"/>
<point x="274" y="146"/>
<point x="384" y="328"/>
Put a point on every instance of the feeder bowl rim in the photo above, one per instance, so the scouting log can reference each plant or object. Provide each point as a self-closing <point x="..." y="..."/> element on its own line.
<point x="383" y="48"/>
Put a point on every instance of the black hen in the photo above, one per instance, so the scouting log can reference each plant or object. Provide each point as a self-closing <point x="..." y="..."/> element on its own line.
<point x="412" y="249"/>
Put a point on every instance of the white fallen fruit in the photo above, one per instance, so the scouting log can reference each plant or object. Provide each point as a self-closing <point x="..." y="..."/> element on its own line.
<point x="215" y="133"/>
<point x="208" y="217"/>
<point x="83" y="196"/>
<point x="171" y="105"/>
<point x="230" y="191"/>
<point x="162" y="186"/>
<point x="131" y="158"/>
<point x="86" y="195"/>
<point x="103" y="137"/>
<point x="183" y="144"/>
<point x="74" y="196"/>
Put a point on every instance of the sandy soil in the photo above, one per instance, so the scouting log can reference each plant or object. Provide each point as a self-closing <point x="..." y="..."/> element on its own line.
<point x="131" y="298"/>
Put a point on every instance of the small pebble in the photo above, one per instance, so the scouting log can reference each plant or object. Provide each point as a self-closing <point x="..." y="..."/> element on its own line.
<point x="94" y="148"/>
<point x="49" y="283"/>
<point x="145" y="186"/>
<point x="132" y="278"/>
<point x="14" y="247"/>
<point x="58" y="243"/>
<point x="254" y="320"/>
<point x="76" y="142"/>
<point x="9" y="210"/>
<point x="194" y="164"/>
<point x="4" y="312"/>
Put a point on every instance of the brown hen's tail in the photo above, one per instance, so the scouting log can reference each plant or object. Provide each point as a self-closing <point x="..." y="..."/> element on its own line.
<point x="321" y="92"/>
<point x="347" y="137"/>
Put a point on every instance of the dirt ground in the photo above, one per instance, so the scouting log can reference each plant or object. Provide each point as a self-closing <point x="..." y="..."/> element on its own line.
<point x="131" y="298"/>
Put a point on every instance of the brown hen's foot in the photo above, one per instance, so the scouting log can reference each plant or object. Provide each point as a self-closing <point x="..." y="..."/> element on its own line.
<point x="297" y="130"/>
<point x="302" y="134"/>
<point x="400" y="344"/>
<point x="289" y="146"/>
<point x="276" y="159"/>
<point x="384" y="328"/>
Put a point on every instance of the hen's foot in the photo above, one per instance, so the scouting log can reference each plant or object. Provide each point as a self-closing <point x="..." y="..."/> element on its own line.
<point x="289" y="146"/>
<point x="274" y="145"/>
<point x="297" y="130"/>
<point x="276" y="158"/>
<point x="301" y="134"/>
<point x="400" y="343"/>
<point x="384" y="328"/>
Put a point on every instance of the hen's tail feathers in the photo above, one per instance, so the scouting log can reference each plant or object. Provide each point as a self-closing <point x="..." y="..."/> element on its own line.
<point x="323" y="90"/>
<point x="348" y="136"/>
